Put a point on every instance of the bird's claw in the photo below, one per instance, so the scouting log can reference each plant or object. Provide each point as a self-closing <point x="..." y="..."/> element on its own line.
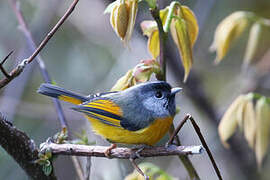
<point x="108" y="151"/>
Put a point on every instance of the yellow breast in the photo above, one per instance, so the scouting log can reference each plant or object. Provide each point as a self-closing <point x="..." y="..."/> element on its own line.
<point x="149" y="135"/>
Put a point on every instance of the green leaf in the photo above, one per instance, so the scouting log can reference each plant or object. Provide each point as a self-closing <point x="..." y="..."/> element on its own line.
<point x="47" y="168"/>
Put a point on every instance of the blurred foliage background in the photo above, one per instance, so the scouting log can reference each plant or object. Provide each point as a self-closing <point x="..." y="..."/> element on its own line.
<point x="86" y="56"/>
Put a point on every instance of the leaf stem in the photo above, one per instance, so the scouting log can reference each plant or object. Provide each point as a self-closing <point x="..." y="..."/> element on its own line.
<point x="170" y="15"/>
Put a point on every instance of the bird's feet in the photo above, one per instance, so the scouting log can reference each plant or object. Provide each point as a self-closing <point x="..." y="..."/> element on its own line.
<point x="108" y="151"/>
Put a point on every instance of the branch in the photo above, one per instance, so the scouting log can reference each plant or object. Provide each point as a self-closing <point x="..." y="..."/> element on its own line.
<point x="22" y="149"/>
<point x="17" y="70"/>
<point x="120" y="153"/>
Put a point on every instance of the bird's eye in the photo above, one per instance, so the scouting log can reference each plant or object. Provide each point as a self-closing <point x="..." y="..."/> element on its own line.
<point x="158" y="94"/>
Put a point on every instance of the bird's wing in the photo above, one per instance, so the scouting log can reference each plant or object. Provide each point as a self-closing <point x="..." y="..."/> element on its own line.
<point x="103" y="110"/>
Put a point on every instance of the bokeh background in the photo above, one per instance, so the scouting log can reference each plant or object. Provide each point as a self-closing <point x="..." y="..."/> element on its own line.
<point x="86" y="56"/>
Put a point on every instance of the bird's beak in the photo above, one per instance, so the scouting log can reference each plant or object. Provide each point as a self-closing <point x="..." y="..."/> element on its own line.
<point x="175" y="90"/>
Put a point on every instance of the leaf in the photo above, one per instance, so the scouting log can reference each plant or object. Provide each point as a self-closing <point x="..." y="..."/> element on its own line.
<point x="249" y="124"/>
<point x="153" y="44"/>
<point x="47" y="168"/>
<point x="262" y="129"/>
<point x="124" y="82"/>
<point x="148" y="27"/>
<point x="112" y="19"/>
<point x="181" y="39"/>
<point x="143" y="71"/>
<point x="229" y="121"/>
<point x="253" y="43"/>
<point x="228" y="30"/>
<point x="133" y="8"/>
<point x="163" y="15"/>
<point x="192" y="25"/>
<point x="121" y="20"/>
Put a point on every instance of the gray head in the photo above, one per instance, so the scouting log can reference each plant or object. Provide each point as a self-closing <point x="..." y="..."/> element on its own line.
<point x="145" y="102"/>
<point x="157" y="97"/>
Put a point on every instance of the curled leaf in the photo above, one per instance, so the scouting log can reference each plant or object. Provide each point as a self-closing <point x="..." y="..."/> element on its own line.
<point x="228" y="31"/>
<point x="153" y="44"/>
<point x="262" y="129"/>
<point x="121" y="18"/>
<point x="192" y="25"/>
<point x="143" y="71"/>
<point x="181" y="38"/>
<point x="124" y="82"/>
<point x="249" y="123"/>
<point x="133" y="8"/>
<point x="123" y="15"/>
<point x="230" y="119"/>
<point x="253" y="43"/>
<point x="148" y="27"/>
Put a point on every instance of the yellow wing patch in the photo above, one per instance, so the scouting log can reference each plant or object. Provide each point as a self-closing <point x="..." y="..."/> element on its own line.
<point x="106" y="105"/>
<point x="103" y="111"/>
<point x="69" y="99"/>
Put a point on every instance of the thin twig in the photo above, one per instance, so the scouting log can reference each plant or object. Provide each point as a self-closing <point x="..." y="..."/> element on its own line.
<point x="138" y="168"/>
<point x="174" y="134"/>
<point x="88" y="168"/>
<point x="120" y="153"/>
<point x="198" y="131"/>
<point x="17" y="70"/>
<point x="78" y="167"/>
<point x="2" y="63"/>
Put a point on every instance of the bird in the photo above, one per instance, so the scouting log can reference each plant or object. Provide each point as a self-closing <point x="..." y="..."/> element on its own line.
<point x="139" y="115"/>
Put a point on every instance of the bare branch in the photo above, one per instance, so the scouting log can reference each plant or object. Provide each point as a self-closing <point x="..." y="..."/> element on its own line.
<point x="120" y="153"/>
<point x="2" y="67"/>
<point x="22" y="149"/>
<point x="17" y="70"/>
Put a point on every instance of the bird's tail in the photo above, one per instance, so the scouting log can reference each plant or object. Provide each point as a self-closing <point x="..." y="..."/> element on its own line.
<point x="61" y="94"/>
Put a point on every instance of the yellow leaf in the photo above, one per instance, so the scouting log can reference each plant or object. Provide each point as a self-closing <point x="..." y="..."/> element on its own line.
<point x="228" y="123"/>
<point x="192" y="25"/>
<point x="253" y="43"/>
<point x="112" y="19"/>
<point x="153" y="44"/>
<point x="262" y="129"/>
<point x="228" y="31"/>
<point x="121" y="19"/>
<point x="133" y="8"/>
<point x="249" y="123"/>
<point x="180" y="36"/>
<point x="124" y="82"/>
<point x="163" y="14"/>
